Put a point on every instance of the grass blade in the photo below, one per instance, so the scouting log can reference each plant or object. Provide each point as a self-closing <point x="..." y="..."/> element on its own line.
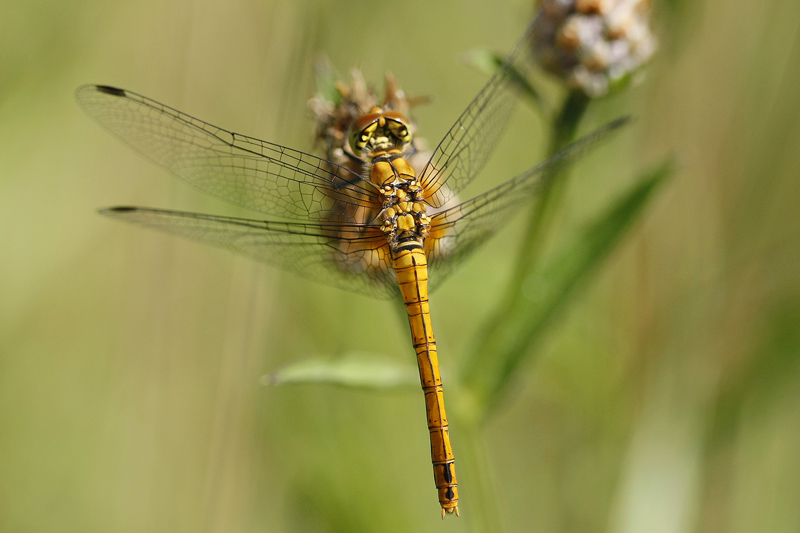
<point x="547" y="289"/>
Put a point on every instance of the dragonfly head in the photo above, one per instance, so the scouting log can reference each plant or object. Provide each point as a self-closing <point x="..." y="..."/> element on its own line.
<point x="379" y="131"/>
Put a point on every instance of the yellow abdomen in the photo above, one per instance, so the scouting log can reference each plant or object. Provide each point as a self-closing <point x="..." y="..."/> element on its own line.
<point x="411" y="268"/>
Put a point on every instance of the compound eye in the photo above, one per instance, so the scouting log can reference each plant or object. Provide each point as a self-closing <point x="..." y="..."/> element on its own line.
<point x="401" y="131"/>
<point x="361" y="130"/>
<point x="399" y="125"/>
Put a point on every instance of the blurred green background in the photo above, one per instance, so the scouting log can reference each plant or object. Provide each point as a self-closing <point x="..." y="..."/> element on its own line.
<point x="665" y="400"/>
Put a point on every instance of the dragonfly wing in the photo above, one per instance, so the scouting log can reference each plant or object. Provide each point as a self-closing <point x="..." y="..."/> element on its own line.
<point x="353" y="257"/>
<point x="458" y="231"/>
<point x="255" y="174"/>
<point x="465" y="148"/>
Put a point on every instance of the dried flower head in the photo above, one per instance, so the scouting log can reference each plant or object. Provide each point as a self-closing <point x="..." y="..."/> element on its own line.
<point x="337" y="105"/>
<point x="593" y="43"/>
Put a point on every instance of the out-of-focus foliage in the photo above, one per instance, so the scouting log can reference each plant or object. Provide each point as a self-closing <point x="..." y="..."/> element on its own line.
<point x="665" y="399"/>
<point x="369" y="371"/>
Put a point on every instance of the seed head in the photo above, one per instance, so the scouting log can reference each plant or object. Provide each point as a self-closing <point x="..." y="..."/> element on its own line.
<point x="338" y="104"/>
<point x="592" y="43"/>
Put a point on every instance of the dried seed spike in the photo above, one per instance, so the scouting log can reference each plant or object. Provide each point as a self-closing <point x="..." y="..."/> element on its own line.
<point x="592" y="43"/>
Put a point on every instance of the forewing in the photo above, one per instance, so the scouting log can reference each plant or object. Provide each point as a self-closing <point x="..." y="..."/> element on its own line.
<point x="255" y="174"/>
<point x="458" y="231"/>
<point x="463" y="151"/>
<point x="352" y="257"/>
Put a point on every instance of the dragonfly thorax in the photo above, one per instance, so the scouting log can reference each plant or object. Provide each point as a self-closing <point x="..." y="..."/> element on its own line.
<point x="380" y="131"/>
<point x="404" y="213"/>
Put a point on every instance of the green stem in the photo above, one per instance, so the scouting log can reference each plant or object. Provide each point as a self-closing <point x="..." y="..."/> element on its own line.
<point x="484" y="513"/>
<point x="496" y="354"/>
<point x="485" y="372"/>
<point x="563" y="133"/>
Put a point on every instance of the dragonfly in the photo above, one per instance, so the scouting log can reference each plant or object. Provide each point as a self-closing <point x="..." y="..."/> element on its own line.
<point x="375" y="225"/>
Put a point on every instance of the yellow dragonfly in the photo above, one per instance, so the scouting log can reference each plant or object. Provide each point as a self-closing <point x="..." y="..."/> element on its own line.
<point x="376" y="225"/>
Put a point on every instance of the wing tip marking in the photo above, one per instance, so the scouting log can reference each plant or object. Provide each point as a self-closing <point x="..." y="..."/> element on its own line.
<point x="113" y="91"/>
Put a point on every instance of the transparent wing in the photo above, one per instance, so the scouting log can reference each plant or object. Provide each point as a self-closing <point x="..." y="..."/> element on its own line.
<point x="349" y="256"/>
<point x="463" y="151"/>
<point x="458" y="231"/>
<point x="255" y="174"/>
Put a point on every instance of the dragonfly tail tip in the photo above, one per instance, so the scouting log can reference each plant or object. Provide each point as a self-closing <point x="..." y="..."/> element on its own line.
<point x="450" y="510"/>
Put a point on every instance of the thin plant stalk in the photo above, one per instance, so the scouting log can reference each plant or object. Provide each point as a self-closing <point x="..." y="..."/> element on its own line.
<point x="564" y="127"/>
<point x="485" y="513"/>
<point x="501" y="329"/>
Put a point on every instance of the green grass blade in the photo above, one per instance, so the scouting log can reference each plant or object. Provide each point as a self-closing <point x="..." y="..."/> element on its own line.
<point x="354" y="370"/>
<point x="546" y="291"/>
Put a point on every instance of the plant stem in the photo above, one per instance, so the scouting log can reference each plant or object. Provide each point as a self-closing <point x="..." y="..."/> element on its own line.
<point x="562" y="133"/>
<point x="486" y="375"/>
<point x="484" y="513"/>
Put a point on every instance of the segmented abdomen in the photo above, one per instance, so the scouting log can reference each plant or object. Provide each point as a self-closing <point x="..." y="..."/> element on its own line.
<point x="411" y="267"/>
